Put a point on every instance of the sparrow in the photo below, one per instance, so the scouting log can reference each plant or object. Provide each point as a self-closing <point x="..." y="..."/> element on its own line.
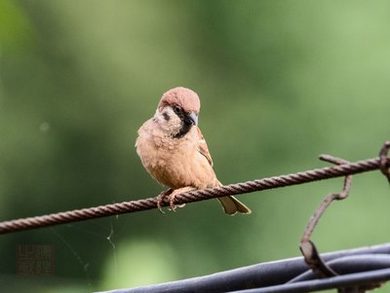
<point x="174" y="152"/>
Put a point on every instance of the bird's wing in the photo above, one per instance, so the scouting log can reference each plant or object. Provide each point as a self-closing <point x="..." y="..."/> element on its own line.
<point x="203" y="148"/>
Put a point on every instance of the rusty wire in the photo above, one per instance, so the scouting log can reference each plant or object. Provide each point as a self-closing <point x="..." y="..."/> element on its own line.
<point x="309" y="251"/>
<point x="307" y="247"/>
<point x="382" y="162"/>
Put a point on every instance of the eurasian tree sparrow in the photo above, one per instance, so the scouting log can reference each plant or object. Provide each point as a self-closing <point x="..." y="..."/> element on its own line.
<point x="172" y="148"/>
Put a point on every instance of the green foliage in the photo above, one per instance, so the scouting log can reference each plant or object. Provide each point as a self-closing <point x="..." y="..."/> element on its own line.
<point x="280" y="83"/>
<point x="15" y="29"/>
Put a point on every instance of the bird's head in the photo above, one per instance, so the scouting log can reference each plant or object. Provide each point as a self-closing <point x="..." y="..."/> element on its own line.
<point x="178" y="111"/>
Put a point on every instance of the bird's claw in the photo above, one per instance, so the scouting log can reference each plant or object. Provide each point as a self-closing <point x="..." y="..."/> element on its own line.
<point x="170" y="195"/>
<point x="161" y="197"/>
<point x="172" y="205"/>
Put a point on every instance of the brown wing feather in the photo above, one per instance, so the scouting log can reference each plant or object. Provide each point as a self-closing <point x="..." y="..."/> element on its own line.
<point x="230" y="204"/>
<point x="203" y="148"/>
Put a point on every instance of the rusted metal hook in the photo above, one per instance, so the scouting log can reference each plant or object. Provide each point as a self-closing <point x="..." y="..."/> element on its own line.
<point x="383" y="160"/>
<point x="307" y="247"/>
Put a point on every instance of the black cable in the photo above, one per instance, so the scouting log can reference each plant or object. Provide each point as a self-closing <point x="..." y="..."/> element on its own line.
<point x="345" y="281"/>
<point x="278" y="273"/>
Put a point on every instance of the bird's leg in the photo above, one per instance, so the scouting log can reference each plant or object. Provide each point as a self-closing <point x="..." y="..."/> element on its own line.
<point x="161" y="197"/>
<point x="173" y="195"/>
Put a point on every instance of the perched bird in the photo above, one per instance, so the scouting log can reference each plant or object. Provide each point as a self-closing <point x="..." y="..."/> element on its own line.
<point x="172" y="148"/>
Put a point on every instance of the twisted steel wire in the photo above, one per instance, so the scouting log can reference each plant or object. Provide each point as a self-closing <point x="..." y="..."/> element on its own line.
<point x="196" y="195"/>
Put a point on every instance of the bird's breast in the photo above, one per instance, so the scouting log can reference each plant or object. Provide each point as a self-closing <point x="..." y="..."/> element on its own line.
<point x="174" y="162"/>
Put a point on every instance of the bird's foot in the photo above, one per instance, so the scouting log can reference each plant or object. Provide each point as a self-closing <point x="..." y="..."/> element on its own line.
<point x="161" y="197"/>
<point x="170" y="195"/>
<point x="173" y="195"/>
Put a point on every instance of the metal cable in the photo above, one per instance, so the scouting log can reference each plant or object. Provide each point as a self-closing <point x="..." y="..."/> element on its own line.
<point x="343" y="281"/>
<point x="196" y="195"/>
<point x="275" y="276"/>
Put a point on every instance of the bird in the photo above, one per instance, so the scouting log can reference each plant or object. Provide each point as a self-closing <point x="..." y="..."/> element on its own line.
<point x="174" y="152"/>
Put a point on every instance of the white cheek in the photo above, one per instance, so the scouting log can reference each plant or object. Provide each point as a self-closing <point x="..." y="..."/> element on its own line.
<point x="168" y="120"/>
<point x="174" y="120"/>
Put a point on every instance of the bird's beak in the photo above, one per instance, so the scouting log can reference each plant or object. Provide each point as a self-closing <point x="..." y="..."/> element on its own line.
<point x="193" y="117"/>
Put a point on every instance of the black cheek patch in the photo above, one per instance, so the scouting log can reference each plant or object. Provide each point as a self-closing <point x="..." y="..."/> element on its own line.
<point x="166" y="116"/>
<point x="186" y="125"/>
<point x="185" y="128"/>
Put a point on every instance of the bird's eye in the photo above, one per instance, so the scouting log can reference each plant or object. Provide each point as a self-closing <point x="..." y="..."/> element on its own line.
<point x="176" y="109"/>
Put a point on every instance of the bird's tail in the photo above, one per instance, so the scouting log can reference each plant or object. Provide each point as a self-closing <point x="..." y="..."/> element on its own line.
<point x="232" y="205"/>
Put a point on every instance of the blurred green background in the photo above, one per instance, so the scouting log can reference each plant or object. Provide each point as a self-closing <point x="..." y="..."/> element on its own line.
<point x="280" y="82"/>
